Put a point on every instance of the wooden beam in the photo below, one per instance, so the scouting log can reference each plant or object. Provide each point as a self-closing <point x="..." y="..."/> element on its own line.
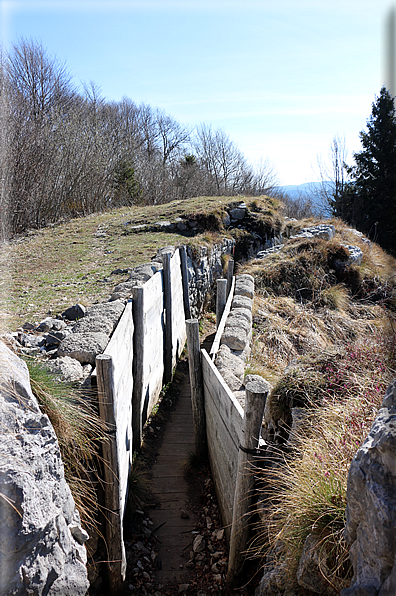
<point x="168" y="348"/>
<point x="137" y="366"/>
<point x="256" y="395"/>
<point x="197" y="396"/>
<point x="184" y="272"/>
<point x="230" y="274"/>
<point x="221" y="299"/>
<point x="216" y="342"/>
<point x="116" y="565"/>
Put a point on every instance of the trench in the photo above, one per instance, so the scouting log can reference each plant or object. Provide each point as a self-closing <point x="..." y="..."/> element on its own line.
<point x="183" y="507"/>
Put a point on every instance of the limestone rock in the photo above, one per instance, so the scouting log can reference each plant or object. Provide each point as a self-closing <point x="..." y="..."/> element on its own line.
<point x="138" y="276"/>
<point x="227" y="361"/>
<point x="94" y="324"/>
<point x="29" y="340"/>
<point x="355" y="257"/>
<point x="242" y="302"/>
<point x="236" y="319"/>
<point x="123" y="290"/>
<point x="50" y="324"/>
<point x="111" y="310"/>
<point x="198" y="544"/>
<point x="235" y="338"/>
<point x="226" y="220"/>
<point x="312" y="568"/>
<point x="84" y="347"/>
<point x="54" y="338"/>
<point x="244" y="286"/>
<point x="66" y="368"/>
<point x="371" y="509"/>
<point x="41" y="550"/>
<point x="243" y="312"/>
<point x="238" y="213"/>
<point x="326" y="231"/>
<point x="269" y="251"/>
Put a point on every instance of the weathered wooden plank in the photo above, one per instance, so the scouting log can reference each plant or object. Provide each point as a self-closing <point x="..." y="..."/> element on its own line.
<point x="217" y="339"/>
<point x="197" y="397"/>
<point x="114" y="531"/>
<point x="184" y="275"/>
<point x="137" y="367"/>
<point x="229" y="409"/>
<point x="120" y="348"/>
<point x="168" y="344"/>
<point x="230" y="274"/>
<point x="221" y="299"/>
<point x="224" y="464"/>
<point x="153" y="361"/>
<point x="179" y="334"/>
<point x="256" y="395"/>
<point x="224" y="423"/>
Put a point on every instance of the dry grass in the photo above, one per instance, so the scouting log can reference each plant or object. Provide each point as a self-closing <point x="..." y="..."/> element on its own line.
<point x="306" y="493"/>
<point x="79" y="430"/>
<point x="324" y="338"/>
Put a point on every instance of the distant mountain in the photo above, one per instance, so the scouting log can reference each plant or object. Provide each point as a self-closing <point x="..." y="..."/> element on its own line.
<point x="296" y="191"/>
<point x="309" y="190"/>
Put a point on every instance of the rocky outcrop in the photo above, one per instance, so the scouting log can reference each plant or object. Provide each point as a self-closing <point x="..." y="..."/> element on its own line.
<point x="327" y="232"/>
<point x="204" y="267"/>
<point x="42" y="542"/>
<point x="371" y="509"/>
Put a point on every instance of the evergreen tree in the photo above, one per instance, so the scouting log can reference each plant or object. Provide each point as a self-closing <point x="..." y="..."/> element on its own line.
<point x="369" y="200"/>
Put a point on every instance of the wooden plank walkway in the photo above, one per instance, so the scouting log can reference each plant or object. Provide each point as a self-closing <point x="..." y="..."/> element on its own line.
<point x="170" y="488"/>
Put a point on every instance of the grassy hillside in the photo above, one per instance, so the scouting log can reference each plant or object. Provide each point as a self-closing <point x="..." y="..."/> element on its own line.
<point x="53" y="268"/>
<point x="325" y="337"/>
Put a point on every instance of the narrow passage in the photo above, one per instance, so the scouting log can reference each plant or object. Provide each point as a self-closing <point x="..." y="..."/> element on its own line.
<point x="174" y="521"/>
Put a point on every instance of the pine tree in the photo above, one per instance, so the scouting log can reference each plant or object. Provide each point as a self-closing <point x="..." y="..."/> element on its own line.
<point x="369" y="200"/>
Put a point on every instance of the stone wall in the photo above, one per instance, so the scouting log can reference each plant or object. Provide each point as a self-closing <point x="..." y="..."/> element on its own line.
<point x="205" y="265"/>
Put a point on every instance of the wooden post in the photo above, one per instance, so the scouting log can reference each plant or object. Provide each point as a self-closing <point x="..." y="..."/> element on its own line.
<point x="221" y="299"/>
<point x="137" y="367"/>
<point x="196" y="383"/>
<point x="256" y="395"/>
<point x="116" y="565"/>
<point x="230" y="274"/>
<point x="168" y="347"/>
<point x="184" y="272"/>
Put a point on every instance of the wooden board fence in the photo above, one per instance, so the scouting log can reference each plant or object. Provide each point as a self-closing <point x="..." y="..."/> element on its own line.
<point x="224" y="428"/>
<point x="115" y="385"/>
<point x="179" y="334"/>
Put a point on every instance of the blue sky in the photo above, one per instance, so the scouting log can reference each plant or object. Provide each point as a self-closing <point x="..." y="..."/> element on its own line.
<point x="281" y="77"/>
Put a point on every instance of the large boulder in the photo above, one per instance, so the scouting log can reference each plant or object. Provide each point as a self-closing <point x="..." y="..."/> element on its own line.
<point x="84" y="347"/>
<point x="371" y="509"/>
<point x="42" y="542"/>
<point x="110" y="310"/>
<point x="94" y="324"/>
<point x="67" y="369"/>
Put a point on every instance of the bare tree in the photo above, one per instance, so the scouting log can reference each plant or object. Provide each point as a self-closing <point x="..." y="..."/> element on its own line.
<point x="334" y="176"/>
